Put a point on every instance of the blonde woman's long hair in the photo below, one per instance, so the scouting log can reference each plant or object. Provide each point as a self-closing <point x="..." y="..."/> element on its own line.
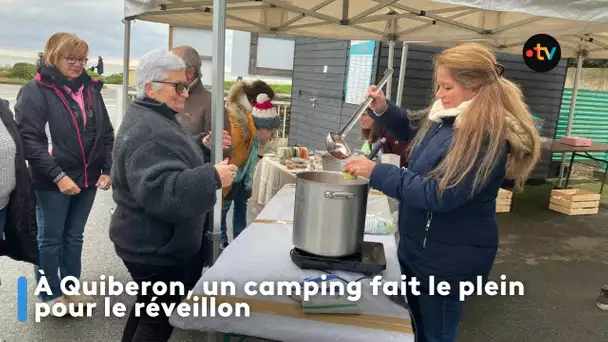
<point x="497" y="114"/>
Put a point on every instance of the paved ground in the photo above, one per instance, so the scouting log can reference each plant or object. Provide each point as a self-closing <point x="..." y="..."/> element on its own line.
<point x="98" y="258"/>
<point x="9" y="92"/>
<point x="561" y="260"/>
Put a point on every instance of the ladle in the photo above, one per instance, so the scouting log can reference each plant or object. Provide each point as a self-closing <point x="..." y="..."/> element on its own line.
<point x="334" y="142"/>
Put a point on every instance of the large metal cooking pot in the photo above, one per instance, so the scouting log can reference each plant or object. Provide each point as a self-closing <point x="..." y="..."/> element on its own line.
<point x="329" y="213"/>
<point x="331" y="163"/>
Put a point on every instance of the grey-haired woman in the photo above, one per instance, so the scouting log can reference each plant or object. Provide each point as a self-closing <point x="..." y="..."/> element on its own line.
<point x="164" y="188"/>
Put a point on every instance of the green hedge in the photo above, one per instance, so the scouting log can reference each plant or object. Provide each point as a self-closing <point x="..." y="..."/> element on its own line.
<point x="23" y="72"/>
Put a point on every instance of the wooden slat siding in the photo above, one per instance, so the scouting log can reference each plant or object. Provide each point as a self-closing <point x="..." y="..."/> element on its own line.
<point x="308" y="75"/>
<point x="319" y="54"/>
<point x="353" y="138"/>
<point x="310" y="125"/>
<point x="321" y="46"/>
<point x="543" y="91"/>
<point x="322" y="86"/>
<point x="314" y="122"/>
<point x="418" y="73"/>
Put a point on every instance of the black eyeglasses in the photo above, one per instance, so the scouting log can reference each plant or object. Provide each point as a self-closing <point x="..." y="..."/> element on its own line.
<point x="73" y="60"/>
<point x="180" y="87"/>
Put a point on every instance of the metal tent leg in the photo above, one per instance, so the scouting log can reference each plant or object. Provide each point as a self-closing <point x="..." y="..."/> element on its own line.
<point x="391" y="61"/>
<point x="217" y="105"/>
<point x="125" y="67"/>
<point x="577" y="75"/>
<point x="402" y="70"/>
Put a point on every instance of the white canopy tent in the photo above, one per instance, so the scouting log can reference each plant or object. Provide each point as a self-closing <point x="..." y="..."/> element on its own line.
<point x="502" y="25"/>
<point x="499" y="24"/>
<point x="405" y="20"/>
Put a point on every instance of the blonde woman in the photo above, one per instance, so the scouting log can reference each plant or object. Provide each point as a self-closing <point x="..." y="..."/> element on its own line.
<point x="67" y="138"/>
<point x="478" y="132"/>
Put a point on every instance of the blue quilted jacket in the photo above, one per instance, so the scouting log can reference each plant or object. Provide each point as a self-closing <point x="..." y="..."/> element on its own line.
<point x="453" y="237"/>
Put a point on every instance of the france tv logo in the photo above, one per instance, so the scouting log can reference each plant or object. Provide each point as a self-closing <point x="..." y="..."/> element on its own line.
<point x="542" y="53"/>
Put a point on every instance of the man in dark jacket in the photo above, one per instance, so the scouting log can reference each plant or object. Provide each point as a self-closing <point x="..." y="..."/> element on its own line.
<point x="195" y="118"/>
<point x="19" y="226"/>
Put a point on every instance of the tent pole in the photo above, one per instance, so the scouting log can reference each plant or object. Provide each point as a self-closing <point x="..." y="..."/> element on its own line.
<point x="402" y="69"/>
<point x="217" y="105"/>
<point x="391" y="60"/>
<point x="577" y="76"/>
<point x="125" y="68"/>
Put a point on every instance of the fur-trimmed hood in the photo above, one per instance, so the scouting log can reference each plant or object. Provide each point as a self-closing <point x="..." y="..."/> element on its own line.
<point x="241" y="99"/>
<point x="238" y="96"/>
<point x="239" y="107"/>
<point x="520" y="141"/>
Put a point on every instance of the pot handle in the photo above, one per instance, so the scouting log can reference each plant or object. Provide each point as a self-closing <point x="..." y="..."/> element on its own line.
<point x="339" y="195"/>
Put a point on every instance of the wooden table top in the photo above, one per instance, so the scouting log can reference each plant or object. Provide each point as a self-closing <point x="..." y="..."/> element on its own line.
<point x="556" y="146"/>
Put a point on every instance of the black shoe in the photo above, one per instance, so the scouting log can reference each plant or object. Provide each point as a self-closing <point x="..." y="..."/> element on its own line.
<point x="602" y="299"/>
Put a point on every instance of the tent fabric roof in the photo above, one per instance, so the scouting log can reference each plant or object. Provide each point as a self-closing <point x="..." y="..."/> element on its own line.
<point x="503" y="25"/>
<point x="594" y="46"/>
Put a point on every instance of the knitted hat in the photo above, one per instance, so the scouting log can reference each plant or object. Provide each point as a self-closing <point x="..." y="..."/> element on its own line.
<point x="265" y="114"/>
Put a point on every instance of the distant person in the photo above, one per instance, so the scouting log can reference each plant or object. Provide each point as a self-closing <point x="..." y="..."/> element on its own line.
<point x="164" y="188"/>
<point x="17" y="200"/>
<point x="40" y="60"/>
<point x="255" y="122"/>
<point x="372" y="131"/>
<point x="68" y="138"/>
<point x="100" y="65"/>
<point x="195" y="118"/>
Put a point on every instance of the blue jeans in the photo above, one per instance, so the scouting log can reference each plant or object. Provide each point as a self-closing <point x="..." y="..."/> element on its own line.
<point x="434" y="318"/>
<point x="61" y="221"/>
<point x="2" y="221"/>
<point x="239" y="215"/>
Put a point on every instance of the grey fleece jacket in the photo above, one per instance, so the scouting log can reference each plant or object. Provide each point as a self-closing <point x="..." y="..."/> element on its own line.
<point x="162" y="186"/>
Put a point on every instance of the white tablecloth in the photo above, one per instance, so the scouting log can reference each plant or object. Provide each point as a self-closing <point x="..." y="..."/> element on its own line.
<point x="270" y="176"/>
<point x="261" y="253"/>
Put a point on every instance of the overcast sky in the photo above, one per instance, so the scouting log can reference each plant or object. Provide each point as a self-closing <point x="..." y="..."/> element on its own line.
<point x="27" y="24"/>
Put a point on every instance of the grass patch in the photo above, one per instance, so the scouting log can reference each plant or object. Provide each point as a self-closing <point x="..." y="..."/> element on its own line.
<point x="282" y="89"/>
<point x="12" y="80"/>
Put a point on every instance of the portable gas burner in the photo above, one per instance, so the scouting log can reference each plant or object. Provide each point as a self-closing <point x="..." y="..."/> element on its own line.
<point x="370" y="261"/>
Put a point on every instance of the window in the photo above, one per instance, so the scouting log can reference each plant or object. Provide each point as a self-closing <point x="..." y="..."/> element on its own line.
<point x="264" y="59"/>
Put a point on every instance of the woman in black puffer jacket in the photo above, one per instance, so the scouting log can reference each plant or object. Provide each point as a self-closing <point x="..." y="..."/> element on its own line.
<point x="17" y="201"/>
<point x="68" y="140"/>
